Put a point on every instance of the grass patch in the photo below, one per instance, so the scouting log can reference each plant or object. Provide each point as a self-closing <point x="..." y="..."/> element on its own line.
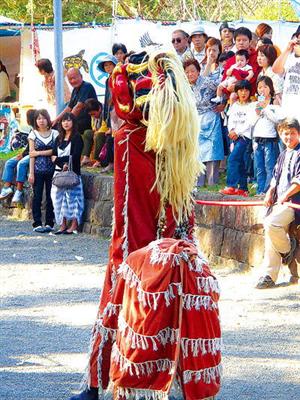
<point x="222" y="184"/>
<point x="11" y="154"/>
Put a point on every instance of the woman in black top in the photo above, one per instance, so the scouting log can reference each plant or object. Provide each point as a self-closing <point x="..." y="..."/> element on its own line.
<point x="68" y="203"/>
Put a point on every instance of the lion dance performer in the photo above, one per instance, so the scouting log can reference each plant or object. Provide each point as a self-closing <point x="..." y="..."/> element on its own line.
<point x="158" y="323"/>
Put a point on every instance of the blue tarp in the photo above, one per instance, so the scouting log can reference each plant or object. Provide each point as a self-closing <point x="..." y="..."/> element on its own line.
<point x="9" y="32"/>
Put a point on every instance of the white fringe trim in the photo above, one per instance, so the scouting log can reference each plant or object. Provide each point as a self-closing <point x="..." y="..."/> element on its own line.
<point x="149" y="299"/>
<point x="126" y="195"/>
<point x="159" y="257"/>
<point x="208" y="284"/>
<point x="143" y="368"/>
<point x="203" y="346"/>
<point x="141" y="394"/>
<point x="196" y="301"/>
<point x="113" y="279"/>
<point x="206" y="375"/>
<point x="112" y="309"/>
<point x="105" y="332"/>
<point x="138" y="341"/>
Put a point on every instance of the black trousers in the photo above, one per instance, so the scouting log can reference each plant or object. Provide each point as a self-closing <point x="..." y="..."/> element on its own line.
<point x="42" y="180"/>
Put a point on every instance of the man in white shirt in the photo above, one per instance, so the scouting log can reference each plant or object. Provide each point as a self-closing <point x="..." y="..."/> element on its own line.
<point x="288" y="63"/>
<point x="180" y="41"/>
<point x="199" y="39"/>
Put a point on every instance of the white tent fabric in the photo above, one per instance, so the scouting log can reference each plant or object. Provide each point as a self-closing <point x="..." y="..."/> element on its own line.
<point x="8" y="21"/>
<point x="97" y="41"/>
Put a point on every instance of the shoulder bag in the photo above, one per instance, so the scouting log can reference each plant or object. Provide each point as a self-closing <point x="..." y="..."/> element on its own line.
<point x="66" y="179"/>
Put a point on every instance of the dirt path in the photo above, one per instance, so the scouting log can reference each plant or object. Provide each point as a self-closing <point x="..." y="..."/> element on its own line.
<point x="49" y="294"/>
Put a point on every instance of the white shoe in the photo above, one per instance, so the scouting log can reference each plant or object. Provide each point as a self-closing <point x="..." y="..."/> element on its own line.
<point x="18" y="197"/>
<point x="6" y="192"/>
<point x="48" y="228"/>
<point x="216" y="100"/>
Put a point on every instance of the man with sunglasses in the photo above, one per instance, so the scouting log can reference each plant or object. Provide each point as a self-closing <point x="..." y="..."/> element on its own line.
<point x="180" y="41"/>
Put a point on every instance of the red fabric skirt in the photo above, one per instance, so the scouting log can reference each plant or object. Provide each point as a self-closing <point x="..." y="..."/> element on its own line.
<point x="136" y="220"/>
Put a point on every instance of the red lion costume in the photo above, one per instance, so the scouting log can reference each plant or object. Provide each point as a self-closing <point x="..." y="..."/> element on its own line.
<point x="158" y="316"/>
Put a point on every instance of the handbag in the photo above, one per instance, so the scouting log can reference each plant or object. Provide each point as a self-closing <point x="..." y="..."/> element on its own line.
<point x="66" y="179"/>
<point x="103" y="153"/>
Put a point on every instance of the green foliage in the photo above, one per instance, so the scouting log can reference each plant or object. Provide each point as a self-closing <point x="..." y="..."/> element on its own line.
<point x="11" y="154"/>
<point x="279" y="10"/>
<point x="101" y="10"/>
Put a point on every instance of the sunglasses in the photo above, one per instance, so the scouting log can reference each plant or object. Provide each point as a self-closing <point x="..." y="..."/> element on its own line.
<point x="177" y="40"/>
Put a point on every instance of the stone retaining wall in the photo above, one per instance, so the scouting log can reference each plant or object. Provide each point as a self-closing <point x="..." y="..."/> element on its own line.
<point x="229" y="236"/>
<point x="98" y="193"/>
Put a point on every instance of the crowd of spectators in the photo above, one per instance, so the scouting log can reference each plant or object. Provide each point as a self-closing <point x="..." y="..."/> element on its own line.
<point x="243" y="86"/>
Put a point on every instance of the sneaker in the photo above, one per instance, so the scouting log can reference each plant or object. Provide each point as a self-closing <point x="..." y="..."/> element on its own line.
<point x="241" y="192"/>
<point x="231" y="191"/>
<point x="48" y="228"/>
<point x="6" y="192"/>
<point x="39" y="229"/>
<point x="265" y="282"/>
<point x="216" y="100"/>
<point x="287" y="258"/>
<point x="18" y="197"/>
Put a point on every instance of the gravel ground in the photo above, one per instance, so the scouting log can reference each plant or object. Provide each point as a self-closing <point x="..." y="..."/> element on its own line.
<point x="49" y="294"/>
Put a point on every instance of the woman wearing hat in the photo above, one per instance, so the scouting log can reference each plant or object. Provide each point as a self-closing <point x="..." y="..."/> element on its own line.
<point x="226" y="35"/>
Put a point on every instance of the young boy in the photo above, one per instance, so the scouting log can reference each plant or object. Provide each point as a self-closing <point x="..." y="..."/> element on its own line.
<point x="239" y="71"/>
<point x="93" y="136"/>
<point x="284" y="187"/>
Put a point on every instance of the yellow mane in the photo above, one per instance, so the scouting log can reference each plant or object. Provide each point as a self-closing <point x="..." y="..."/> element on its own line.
<point x="172" y="133"/>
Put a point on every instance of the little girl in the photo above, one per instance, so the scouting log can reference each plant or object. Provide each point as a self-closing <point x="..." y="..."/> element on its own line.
<point x="68" y="203"/>
<point x="239" y="128"/>
<point x="41" y="169"/>
<point x="266" y="56"/>
<point x="264" y="118"/>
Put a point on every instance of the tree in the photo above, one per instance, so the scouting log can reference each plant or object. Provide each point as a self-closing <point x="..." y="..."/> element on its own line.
<point x="101" y="10"/>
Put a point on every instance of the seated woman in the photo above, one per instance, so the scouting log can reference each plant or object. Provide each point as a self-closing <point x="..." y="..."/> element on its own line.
<point x="93" y="136"/>
<point x="16" y="168"/>
<point x="68" y="203"/>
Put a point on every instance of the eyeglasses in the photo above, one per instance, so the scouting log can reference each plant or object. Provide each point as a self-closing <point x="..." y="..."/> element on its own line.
<point x="177" y="40"/>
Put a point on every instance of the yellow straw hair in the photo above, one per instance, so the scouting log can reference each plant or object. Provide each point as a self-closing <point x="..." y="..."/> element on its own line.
<point x="173" y="130"/>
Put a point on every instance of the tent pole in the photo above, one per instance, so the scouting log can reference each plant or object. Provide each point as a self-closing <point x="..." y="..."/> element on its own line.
<point x="58" y="54"/>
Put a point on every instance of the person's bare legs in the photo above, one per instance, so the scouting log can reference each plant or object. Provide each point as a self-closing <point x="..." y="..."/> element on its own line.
<point x="20" y="186"/>
<point x="74" y="226"/>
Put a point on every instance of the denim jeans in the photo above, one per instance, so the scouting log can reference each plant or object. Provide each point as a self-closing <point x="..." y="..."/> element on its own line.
<point x="10" y="172"/>
<point x="41" y="180"/>
<point x="265" y="155"/>
<point x="236" y="166"/>
<point x="211" y="174"/>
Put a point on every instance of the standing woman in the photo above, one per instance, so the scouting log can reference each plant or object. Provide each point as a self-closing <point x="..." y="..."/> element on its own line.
<point x="68" y="203"/>
<point x="210" y="134"/>
<point x="266" y="56"/>
<point x="210" y="66"/>
<point x="41" y="169"/>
